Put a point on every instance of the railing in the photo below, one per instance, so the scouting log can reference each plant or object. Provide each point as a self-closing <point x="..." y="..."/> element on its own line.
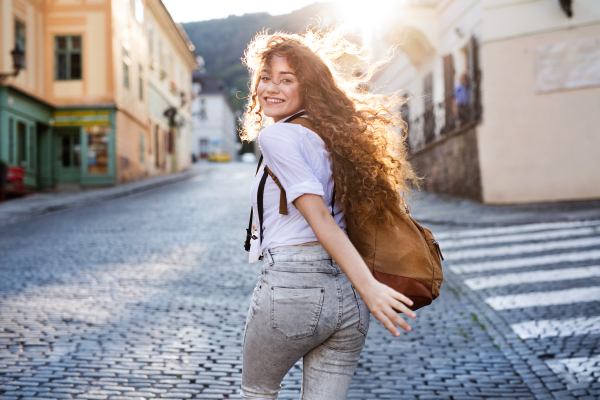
<point x="444" y="118"/>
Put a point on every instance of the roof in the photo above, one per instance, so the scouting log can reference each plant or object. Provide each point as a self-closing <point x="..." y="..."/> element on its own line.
<point x="208" y="83"/>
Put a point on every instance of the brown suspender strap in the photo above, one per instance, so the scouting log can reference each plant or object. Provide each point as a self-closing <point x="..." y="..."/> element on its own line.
<point x="282" y="197"/>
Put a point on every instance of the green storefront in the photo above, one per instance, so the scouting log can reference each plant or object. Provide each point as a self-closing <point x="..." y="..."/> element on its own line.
<point x="57" y="146"/>
<point x="84" y="146"/>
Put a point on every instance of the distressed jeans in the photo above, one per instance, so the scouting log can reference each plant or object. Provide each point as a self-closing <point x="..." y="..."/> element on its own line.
<point x="305" y="307"/>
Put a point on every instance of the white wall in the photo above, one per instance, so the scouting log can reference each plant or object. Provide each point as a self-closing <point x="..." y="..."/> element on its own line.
<point x="218" y="126"/>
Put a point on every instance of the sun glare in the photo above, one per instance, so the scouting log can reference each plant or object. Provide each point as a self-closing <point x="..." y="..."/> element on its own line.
<point x="365" y="18"/>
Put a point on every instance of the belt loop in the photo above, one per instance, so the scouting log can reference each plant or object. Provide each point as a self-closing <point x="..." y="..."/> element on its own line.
<point x="267" y="252"/>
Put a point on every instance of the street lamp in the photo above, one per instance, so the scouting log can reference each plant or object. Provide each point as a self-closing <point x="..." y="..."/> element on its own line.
<point x="17" y="56"/>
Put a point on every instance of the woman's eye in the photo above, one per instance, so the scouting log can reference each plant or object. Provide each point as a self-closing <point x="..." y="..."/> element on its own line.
<point x="287" y="80"/>
<point x="264" y="78"/>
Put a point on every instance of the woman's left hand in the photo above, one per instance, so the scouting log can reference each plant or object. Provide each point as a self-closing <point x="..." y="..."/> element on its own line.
<point x="385" y="303"/>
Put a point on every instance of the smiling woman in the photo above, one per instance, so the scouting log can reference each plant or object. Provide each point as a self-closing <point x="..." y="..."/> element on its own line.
<point x="332" y="155"/>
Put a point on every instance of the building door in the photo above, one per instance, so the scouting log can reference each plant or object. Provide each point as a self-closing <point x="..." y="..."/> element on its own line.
<point x="21" y="144"/>
<point x="69" y="156"/>
<point x="204" y="150"/>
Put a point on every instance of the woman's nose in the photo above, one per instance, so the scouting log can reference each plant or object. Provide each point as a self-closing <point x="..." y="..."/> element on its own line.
<point x="273" y="88"/>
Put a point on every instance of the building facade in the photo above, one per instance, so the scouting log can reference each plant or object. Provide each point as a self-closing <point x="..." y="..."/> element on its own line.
<point x="215" y="128"/>
<point x="78" y="113"/>
<point x="504" y="93"/>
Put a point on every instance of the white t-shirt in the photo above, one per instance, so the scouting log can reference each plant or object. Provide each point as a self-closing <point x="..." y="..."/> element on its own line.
<point x="298" y="158"/>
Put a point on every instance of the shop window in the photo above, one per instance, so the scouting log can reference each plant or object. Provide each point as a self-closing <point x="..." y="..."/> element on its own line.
<point x="76" y="150"/>
<point x="68" y="62"/>
<point x="141" y="81"/>
<point x="97" y="149"/>
<point x="20" y="39"/>
<point x="126" y="62"/>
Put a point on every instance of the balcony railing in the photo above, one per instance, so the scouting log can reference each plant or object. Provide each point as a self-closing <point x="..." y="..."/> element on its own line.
<point x="444" y="118"/>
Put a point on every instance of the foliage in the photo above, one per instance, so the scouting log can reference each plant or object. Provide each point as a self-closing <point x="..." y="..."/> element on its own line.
<point x="222" y="42"/>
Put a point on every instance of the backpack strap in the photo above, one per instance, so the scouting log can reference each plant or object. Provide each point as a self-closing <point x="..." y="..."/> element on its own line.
<point x="282" y="197"/>
<point x="249" y="235"/>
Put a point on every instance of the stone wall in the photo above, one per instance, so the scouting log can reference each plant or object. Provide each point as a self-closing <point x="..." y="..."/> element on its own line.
<point x="451" y="165"/>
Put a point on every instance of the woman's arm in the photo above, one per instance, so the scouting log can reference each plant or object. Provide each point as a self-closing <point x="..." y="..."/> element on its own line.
<point x="382" y="300"/>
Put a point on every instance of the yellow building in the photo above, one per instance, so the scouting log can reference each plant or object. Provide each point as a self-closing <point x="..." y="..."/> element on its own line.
<point x="506" y="96"/>
<point x="79" y="110"/>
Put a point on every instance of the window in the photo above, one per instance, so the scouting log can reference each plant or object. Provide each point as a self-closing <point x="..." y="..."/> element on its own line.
<point x="150" y="29"/>
<point x="97" y="145"/>
<point x="141" y="81"/>
<point x="126" y="62"/>
<point x="68" y="64"/>
<point x="139" y="11"/>
<point x="20" y="39"/>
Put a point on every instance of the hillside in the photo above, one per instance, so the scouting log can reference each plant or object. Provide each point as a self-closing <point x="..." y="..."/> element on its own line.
<point x="222" y="42"/>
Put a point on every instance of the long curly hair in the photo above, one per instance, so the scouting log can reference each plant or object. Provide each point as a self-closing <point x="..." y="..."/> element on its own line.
<point x="363" y="131"/>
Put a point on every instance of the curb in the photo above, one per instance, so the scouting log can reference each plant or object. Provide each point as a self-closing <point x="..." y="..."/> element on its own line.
<point x="111" y="193"/>
<point x="450" y="223"/>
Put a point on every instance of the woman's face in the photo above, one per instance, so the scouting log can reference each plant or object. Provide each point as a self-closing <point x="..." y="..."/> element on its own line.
<point x="279" y="92"/>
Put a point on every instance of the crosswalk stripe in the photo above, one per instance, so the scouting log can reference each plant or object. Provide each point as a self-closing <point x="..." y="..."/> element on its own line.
<point x="507" y="230"/>
<point x="532" y="277"/>
<point x="542" y="299"/>
<point x="577" y="369"/>
<point x="557" y="327"/>
<point x="524" y="237"/>
<point x="523" y="248"/>
<point x="526" y="262"/>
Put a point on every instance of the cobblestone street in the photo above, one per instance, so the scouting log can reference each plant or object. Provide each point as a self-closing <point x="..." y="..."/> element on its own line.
<point x="146" y="296"/>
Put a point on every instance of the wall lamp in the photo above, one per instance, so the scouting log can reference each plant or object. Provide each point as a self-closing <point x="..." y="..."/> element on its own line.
<point x="17" y="56"/>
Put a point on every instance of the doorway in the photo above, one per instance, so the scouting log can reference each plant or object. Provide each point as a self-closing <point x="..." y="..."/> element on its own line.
<point x="68" y="151"/>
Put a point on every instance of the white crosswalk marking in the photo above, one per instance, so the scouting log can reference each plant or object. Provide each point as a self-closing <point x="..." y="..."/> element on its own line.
<point x="532" y="277"/>
<point x="507" y="230"/>
<point x="557" y="327"/>
<point x="524" y="237"/>
<point x="523" y="248"/>
<point x="577" y="369"/>
<point x="526" y="262"/>
<point x="536" y="299"/>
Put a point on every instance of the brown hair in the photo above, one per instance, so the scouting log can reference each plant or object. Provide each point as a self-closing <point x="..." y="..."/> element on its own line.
<point x="362" y="131"/>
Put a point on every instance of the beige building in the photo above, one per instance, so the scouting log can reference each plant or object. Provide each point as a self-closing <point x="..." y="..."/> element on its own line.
<point x="522" y="126"/>
<point x="80" y="111"/>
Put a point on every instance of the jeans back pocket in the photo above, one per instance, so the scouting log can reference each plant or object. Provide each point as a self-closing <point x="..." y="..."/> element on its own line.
<point x="295" y="311"/>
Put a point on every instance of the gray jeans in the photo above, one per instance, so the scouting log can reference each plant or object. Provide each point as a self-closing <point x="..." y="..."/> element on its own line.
<point x="303" y="306"/>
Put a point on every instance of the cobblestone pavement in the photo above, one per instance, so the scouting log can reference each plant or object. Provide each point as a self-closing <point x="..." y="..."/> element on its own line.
<point x="146" y="296"/>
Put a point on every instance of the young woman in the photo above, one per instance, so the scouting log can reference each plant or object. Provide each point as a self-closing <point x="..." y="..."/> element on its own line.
<point x="314" y="293"/>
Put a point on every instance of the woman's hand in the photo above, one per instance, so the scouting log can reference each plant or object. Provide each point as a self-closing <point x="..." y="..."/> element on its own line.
<point x="385" y="303"/>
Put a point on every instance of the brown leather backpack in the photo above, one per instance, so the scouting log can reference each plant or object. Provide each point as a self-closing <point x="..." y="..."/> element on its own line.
<point x="404" y="255"/>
